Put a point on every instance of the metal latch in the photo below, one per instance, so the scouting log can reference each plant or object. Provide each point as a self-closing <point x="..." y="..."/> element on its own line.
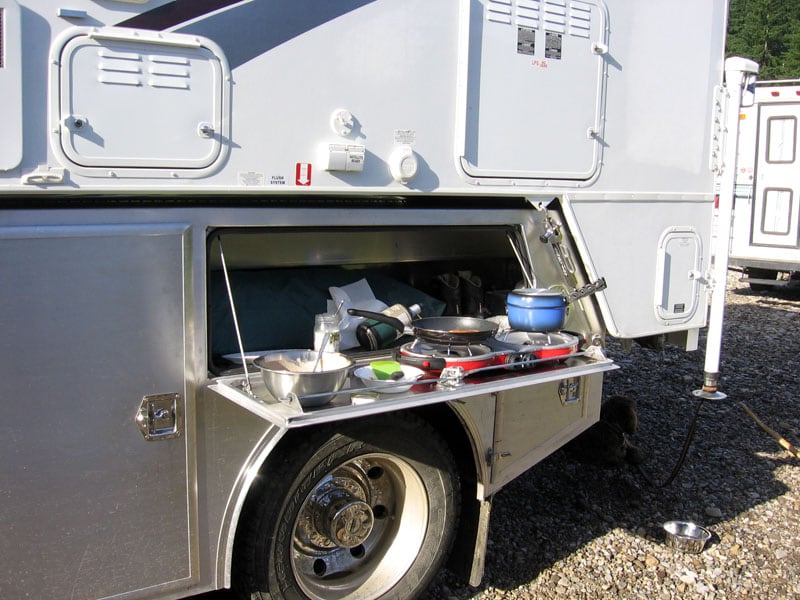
<point x="569" y="390"/>
<point x="451" y="378"/>
<point x="160" y="417"/>
<point x="44" y="175"/>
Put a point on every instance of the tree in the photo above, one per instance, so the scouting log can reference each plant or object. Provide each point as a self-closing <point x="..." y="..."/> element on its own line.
<point x="767" y="31"/>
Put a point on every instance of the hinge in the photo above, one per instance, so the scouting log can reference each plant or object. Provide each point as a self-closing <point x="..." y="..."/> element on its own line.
<point x="716" y="162"/>
<point x="569" y="390"/>
<point x="492" y="455"/>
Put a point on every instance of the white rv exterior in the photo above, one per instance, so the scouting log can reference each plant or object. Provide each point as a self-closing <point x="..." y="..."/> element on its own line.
<point x="168" y="165"/>
<point x="765" y="241"/>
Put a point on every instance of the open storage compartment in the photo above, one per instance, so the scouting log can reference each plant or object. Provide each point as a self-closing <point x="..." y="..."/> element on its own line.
<point x="280" y="277"/>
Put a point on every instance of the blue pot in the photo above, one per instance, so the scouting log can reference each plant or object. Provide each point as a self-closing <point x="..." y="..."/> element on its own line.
<point x="536" y="309"/>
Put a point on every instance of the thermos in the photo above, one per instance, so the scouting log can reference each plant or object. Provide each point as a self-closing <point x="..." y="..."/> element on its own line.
<point x="374" y="335"/>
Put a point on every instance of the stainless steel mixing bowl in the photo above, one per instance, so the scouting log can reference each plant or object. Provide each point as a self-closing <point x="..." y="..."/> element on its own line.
<point x="292" y="372"/>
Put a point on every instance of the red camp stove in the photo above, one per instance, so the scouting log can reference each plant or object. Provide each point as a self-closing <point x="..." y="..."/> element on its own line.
<point x="435" y="357"/>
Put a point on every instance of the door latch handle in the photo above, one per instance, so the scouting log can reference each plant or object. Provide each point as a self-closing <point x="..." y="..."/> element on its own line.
<point x="160" y="417"/>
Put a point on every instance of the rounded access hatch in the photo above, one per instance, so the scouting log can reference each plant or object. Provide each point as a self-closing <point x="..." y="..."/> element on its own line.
<point x="140" y="100"/>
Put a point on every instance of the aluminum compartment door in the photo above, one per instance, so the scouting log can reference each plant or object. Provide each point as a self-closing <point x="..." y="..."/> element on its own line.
<point x="776" y="197"/>
<point x="543" y="60"/>
<point x="93" y="319"/>
<point x="531" y="423"/>
<point x="128" y="99"/>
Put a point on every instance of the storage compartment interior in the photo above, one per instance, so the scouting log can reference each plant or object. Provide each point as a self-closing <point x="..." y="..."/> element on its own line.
<point x="280" y="278"/>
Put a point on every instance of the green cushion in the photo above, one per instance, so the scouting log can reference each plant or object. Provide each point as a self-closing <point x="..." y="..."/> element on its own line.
<point x="276" y="307"/>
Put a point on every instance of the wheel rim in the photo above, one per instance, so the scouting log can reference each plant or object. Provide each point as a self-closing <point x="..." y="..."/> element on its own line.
<point x="360" y="529"/>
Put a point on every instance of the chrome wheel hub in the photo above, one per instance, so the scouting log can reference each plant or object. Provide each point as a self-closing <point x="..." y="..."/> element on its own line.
<point x="359" y="530"/>
<point x="350" y="524"/>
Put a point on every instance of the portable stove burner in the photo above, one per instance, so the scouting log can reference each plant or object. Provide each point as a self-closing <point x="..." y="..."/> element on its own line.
<point x="435" y="357"/>
<point x="427" y="349"/>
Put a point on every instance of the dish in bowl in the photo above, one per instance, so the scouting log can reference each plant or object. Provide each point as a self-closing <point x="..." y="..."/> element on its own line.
<point x="389" y="386"/>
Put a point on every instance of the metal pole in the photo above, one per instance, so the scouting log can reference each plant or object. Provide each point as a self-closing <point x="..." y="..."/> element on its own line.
<point x="739" y="73"/>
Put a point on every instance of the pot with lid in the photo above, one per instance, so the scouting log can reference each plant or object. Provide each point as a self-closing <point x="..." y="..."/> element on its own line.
<point x="536" y="309"/>
<point x="544" y="309"/>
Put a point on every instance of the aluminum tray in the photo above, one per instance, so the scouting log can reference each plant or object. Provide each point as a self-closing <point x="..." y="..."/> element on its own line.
<point x="349" y="403"/>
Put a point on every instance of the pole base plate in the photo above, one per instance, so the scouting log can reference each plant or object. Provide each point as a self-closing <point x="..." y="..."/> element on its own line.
<point x="709" y="395"/>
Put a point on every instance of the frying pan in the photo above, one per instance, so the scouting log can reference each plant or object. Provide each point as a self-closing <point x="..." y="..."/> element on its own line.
<point x="442" y="330"/>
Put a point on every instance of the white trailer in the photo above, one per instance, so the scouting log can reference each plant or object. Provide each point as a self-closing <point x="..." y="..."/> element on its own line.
<point x="765" y="242"/>
<point x="168" y="164"/>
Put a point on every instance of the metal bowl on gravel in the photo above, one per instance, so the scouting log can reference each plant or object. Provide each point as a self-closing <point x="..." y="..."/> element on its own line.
<point x="292" y="372"/>
<point x="686" y="536"/>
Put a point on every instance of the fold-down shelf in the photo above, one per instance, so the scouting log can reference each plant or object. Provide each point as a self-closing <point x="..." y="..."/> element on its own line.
<point x="286" y="413"/>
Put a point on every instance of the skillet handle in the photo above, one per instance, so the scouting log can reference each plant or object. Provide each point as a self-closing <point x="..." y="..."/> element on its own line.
<point x="376" y="316"/>
<point x="426" y="363"/>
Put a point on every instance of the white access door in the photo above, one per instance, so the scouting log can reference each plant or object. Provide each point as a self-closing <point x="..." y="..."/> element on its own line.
<point x="137" y="101"/>
<point x="533" y="89"/>
<point x="776" y="210"/>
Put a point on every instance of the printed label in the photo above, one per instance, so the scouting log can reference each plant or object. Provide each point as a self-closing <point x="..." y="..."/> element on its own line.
<point x="302" y="174"/>
<point x="251" y="178"/>
<point x="526" y="41"/>
<point x="552" y="45"/>
<point x="405" y="136"/>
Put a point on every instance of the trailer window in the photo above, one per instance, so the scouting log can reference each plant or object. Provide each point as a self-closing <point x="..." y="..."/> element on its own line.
<point x="775" y="219"/>
<point x="781" y="139"/>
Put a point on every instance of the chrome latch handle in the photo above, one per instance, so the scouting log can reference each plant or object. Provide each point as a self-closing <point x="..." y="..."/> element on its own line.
<point x="160" y="417"/>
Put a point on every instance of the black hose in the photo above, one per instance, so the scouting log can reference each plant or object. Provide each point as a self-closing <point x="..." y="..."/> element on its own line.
<point x="684" y="451"/>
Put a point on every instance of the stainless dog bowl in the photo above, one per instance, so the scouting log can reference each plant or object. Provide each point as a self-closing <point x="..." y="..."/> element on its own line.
<point x="686" y="536"/>
<point x="292" y="372"/>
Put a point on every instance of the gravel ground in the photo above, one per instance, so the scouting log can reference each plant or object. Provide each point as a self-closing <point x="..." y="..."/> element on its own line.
<point x="567" y="530"/>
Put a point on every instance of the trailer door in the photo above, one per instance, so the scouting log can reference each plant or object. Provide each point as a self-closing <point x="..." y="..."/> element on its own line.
<point x="776" y="211"/>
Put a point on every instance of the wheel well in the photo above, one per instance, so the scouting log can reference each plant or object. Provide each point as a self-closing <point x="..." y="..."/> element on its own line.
<point x="444" y="420"/>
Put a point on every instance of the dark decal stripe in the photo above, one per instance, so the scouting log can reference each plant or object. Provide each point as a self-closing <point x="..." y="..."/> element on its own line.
<point x="174" y="13"/>
<point x="248" y="30"/>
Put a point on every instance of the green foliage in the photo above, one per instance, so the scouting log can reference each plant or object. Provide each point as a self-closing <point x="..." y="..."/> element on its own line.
<point x="767" y="31"/>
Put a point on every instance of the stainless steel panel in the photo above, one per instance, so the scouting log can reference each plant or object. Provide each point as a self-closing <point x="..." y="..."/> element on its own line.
<point x="531" y="423"/>
<point x="95" y="322"/>
<point x="276" y="247"/>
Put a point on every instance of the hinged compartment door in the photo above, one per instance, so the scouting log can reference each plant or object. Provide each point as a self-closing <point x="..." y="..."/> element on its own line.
<point x="531" y="423"/>
<point x="678" y="276"/>
<point x="128" y="99"/>
<point x="534" y="87"/>
<point x="11" y="84"/>
<point x="93" y="320"/>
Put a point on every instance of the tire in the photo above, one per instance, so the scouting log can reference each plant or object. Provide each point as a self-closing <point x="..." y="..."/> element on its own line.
<point x="366" y="511"/>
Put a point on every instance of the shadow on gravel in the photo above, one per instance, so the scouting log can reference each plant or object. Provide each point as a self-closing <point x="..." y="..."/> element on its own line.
<point x="559" y="506"/>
